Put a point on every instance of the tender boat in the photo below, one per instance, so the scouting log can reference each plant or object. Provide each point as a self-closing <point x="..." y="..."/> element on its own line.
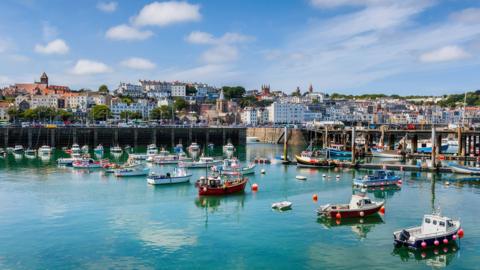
<point x="435" y="230"/>
<point x="152" y="150"/>
<point x="30" y="153"/>
<point x="179" y="175"/>
<point x="99" y="150"/>
<point x="87" y="164"/>
<point x="18" y="149"/>
<point x="85" y="149"/>
<point x="217" y="186"/>
<point x="131" y="171"/>
<point x="359" y="206"/>
<point x="285" y="205"/>
<point x="194" y="150"/>
<point x="45" y="150"/>
<point x="204" y="162"/>
<point x="228" y="150"/>
<point x="306" y="160"/>
<point x="456" y="168"/>
<point x="378" y="179"/>
<point x="231" y="166"/>
<point x="116" y="150"/>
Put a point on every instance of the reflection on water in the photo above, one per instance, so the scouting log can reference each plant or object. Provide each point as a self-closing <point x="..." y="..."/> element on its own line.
<point x="379" y="192"/>
<point x="360" y="226"/>
<point x="435" y="257"/>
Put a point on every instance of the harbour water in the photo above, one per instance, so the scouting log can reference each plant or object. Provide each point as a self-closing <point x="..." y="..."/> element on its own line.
<point x="61" y="218"/>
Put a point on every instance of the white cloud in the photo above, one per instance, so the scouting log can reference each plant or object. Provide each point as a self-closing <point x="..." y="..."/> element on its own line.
<point x="338" y="3"/>
<point x="57" y="46"/>
<point x="220" y="54"/>
<point x="138" y="63"/>
<point x="126" y="32"/>
<point x="89" y="67"/>
<point x="469" y="15"/>
<point x="107" y="7"/>
<point x="447" y="53"/>
<point x="49" y="32"/>
<point x="198" y="37"/>
<point x="165" y="13"/>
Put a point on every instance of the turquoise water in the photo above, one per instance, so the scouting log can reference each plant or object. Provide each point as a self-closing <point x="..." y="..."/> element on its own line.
<point x="60" y="218"/>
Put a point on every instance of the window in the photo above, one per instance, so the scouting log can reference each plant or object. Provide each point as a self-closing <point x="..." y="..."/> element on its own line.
<point x="441" y="223"/>
<point x="434" y="222"/>
<point x="427" y="220"/>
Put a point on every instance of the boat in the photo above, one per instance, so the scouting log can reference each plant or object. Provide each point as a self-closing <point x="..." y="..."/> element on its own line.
<point x="116" y="150"/>
<point x="87" y="163"/>
<point x="178" y="148"/>
<point x="456" y="168"/>
<point x="284" y="205"/>
<point x="425" y="147"/>
<point x="30" y="153"/>
<point x="231" y="166"/>
<point x="336" y="150"/>
<point x="3" y="152"/>
<point x="381" y="153"/>
<point x="301" y="177"/>
<point x="305" y="160"/>
<point x="68" y="162"/>
<point x="217" y="186"/>
<point x="85" y="149"/>
<point x="111" y="167"/>
<point x="435" y="230"/>
<point x="359" y="206"/>
<point x="178" y="175"/>
<point x="44" y="150"/>
<point x="75" y="150"/>
<point x="131" y="171"/>
<point x="168" y="159"/>
<point x="152" y="150"/>
<point x="252" y="140"/>
<point x="379" y="178"/>
<point x="228" y="150"/>
<point x="194" y="150"/>
<point x="18" y="149"/>
<point x="98" y="150"/>
<point x="138" y="156"/>
<point x="204" y="162"/>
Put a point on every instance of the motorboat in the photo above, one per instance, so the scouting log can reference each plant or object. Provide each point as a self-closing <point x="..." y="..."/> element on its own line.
<point x="381" y="153"/>
<point x="231" y="166"/>
<point x="306" y="160"/>
<point x="99" y="150"/>
<point x="252" y="140"/>
<point x="194" y="150"/>
<point x="456" y="168"/>
<point x="168" y="159"/>
<point x="218" y="186"/>
<point x="87" y="163"/>
<point x="379" y="178"/>
<point x="204" y="162"/>
<point x="359" y="206"/>
<point x="228" y="150"/>
<point x="178" y="148"/>
<point x="44" y="150"/>
<point x="85" y="149"/>
<point x="138" y="156"/>
<point x="336" y="150"/>
<point x="178" y="175"/>
<point x="30" y="153"/>
<point x="68" y="162"/>
<point x="131" y="171"/>
<point x="152" y="150"/>
<point x="284" y="205"/>
<point x="18" y="149"/>
<point x="435" y="230"/>
<point x="116" y="150"/>
<point x="75" y="150"/>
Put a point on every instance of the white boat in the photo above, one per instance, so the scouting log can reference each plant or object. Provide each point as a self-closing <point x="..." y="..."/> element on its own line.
<point x="116" y="150"/>
<point x="152" y="150"/>
<point x="204" y="162"/>
<point x="30" y="153"/>
<point x="75" y="150"/>
<point x="380" y="153"/>
<point x="301" y="177"/>
<point x="284" y="205"/>
<point x="138" y="156"/>
<point x="228" y="150"/>
<point x="168" y="159"/>
<point x="44" y="150"/>
<point x="65" y="161"/>
<point x="232" y="166"/>
<point x="464" y="169"/>
<point x="98" y="150"/>
<point x="131" y="171"/>
<point x="87" y="163"/>
<point x="252" y="139"/>
<point x="85" y="149"/>
<point x="194" y="150"/>
<point x="435" y="230"/>
<point x="179" y="175"/>
<point x="18" y="149"/>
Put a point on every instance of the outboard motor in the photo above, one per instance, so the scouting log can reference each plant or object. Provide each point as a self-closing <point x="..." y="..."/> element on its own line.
<point x="404" y="236"/>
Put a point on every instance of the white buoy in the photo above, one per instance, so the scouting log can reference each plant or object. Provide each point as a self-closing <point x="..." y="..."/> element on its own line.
<point x="324" y="175"/>
<point x="262" y="171"/>
<point x="301" y="177"/>
<point x="338" y="176"/>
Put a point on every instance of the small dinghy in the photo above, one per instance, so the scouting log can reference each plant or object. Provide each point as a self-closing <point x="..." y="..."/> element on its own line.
<point x="435" y="230"/>
<point x="285" y="205"/>
<point x="301" y="177"/>
<point x="456" y="168"/>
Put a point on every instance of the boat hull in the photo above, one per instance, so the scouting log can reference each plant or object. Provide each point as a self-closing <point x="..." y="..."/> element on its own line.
<point x="169" y="180"/>
<point x="313" y="162"/>
<point x="220" y="191"/>
<point x="430" y="241"/>
<point x="465" y="170"/>
<point x="349" y="213"/>
<point x="376" y="183"/>
<point x="131" y="173"/>
<point x="194" y="165"/>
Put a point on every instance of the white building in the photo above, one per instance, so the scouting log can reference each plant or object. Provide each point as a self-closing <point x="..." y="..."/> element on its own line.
<point x="156" y="89"/>
<point x="4" y="107"/>
<point x="142" y="107"/>
<point x="50" y="101"/>
<point x="179" y="90"/>
<point x="131" y="90"/>
<point x="249" y="116"/>
<point x="78" y="103"/>
<point x="286" y="113"/>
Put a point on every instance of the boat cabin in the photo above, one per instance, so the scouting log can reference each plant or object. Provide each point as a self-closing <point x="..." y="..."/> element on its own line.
<point x="381" y="174"/>
<point x="436" y="223"/>
<point x="359" y="201"/>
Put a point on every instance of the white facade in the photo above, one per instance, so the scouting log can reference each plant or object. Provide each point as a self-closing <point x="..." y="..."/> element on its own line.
<point x="4" y="112"/>
<point x="249" y="116"/>
<point x="131" y="90"/>
<point x="142" y="107"/>
<point x="286" y="113"/>
<point x="50" y="101"/>
<point x="179" y="90"/>
<point x="78" y="103"/>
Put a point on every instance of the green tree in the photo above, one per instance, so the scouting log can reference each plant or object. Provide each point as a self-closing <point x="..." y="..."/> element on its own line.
<point x="14" y="113"/>
<point x="103" y="89"/>
<point x="127" y="100"/>
<point x="248" y="101"/>
<point x="65" y="115"/>
<point x="233" y="92"/>
<point x="29" y="114"/>
<point x="179" y="104"/>
<point x="130" y="115"/>
<point x="191" y="90"/>
<point x="162" y="112"/>
<point x="100" y="112"/>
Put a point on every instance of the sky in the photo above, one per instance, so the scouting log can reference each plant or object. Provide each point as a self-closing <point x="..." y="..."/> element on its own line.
<point x="407" y="47"/>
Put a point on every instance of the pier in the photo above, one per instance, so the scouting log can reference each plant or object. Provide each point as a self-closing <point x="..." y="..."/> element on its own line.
<point x="33" y="137"/>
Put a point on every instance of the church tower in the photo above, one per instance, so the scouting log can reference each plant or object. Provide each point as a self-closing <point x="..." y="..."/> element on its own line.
<point x="221" y="103"/>
<point x="44" y="79"/>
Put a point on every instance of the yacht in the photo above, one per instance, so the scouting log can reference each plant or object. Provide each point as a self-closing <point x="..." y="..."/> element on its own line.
<point x="152" y="149"/>
<point x="45" y="150"/>
<point x="194" y="150"/>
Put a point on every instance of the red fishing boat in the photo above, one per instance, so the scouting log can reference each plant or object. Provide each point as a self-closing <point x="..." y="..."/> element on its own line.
<point x="217" y="186"/>
<point x="359" y="206"/>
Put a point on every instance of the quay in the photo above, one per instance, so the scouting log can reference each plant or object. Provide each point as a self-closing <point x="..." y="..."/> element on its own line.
<point x="34" y="137"/>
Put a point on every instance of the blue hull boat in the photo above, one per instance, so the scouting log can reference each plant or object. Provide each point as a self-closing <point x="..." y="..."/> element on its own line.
<point x="428" y="150"/>
<point x="378" y="179"/>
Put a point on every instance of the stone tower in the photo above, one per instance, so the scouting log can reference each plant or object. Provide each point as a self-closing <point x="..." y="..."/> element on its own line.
<point x="44" y="79"/>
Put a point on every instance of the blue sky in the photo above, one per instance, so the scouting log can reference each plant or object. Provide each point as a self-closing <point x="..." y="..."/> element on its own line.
<point x="347" y="46"/>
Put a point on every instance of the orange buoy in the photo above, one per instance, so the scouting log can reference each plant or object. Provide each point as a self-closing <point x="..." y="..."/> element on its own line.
<point x="315" y="197"/>
<point x="382" y="210"/>
<point x="254" y="187"/>
<point x="338" y="215"/>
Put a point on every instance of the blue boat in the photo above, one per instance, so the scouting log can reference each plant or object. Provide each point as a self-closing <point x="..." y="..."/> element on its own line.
<point x="378" y="179"/>
<point x="428" y="150"/>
